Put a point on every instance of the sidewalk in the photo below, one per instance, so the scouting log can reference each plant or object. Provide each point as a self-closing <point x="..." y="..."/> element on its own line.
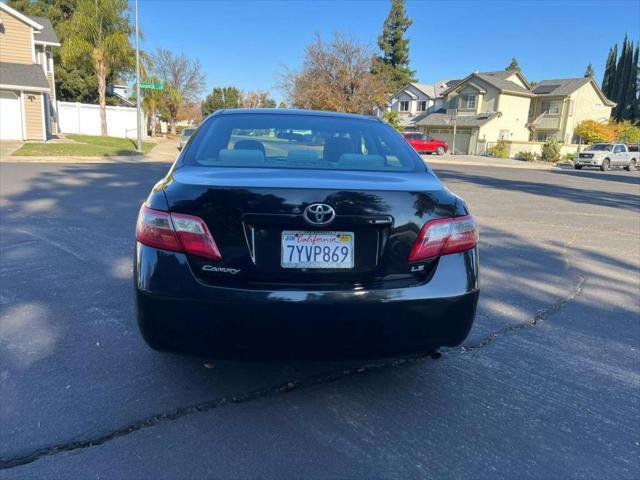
<point x="479" y="161"/>
<point x="164" y="151"/>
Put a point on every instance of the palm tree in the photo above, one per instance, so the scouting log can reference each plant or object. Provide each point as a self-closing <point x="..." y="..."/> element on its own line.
<point x="98" y="33"/>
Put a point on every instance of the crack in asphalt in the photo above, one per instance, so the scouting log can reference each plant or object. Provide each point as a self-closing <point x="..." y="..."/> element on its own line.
<point x="150" y="421"/>
<point x="540" y="315"/>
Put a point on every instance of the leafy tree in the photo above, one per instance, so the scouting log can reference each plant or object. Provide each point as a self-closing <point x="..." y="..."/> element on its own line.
<point x="513" y="66"/>
<point x="282" y="105"/>
<point x="98" y="34"/>
<point x="393" y="119"/>
<point x="183" y="80"/>
<point x="221" y="97"/>
<point x="591" y="131"/>
<point x="336" y="76"/>
<point x="258" y="99"/>
<point x="152" y="102"/>
<point x="74" y="83"/>
<point x="590" y="72"/>
<point x="627" y="132"/>
<point x="394" y="61"/>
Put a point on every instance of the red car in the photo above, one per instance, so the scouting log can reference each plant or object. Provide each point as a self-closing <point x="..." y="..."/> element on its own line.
<point x="424" y="143"/>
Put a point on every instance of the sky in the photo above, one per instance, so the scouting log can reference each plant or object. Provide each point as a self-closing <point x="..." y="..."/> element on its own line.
<point x="247" y="44"/>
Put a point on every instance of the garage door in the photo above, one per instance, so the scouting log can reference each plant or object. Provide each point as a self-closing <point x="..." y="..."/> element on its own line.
<point x="462" y="139"/>
<point x="10" y="116"/>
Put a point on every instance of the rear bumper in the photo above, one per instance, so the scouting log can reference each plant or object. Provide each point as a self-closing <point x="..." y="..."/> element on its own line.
<point x="176" y="312"/>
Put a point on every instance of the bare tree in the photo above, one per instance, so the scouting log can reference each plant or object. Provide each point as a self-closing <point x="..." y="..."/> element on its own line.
<point x="183" y="81"/>
<point x="257" y="99"/>
<point x="336" y="76"/>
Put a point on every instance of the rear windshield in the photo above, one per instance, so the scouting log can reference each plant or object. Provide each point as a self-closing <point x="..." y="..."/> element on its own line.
<point x="300" y="141"/>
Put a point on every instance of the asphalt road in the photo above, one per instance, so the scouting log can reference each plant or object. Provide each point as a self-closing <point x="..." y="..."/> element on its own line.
<point x="547" y="386"/>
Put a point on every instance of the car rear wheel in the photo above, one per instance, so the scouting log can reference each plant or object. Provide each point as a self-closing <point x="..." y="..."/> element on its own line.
<point x="578" y="167"/>
<point x="605" y="165"/>
<point x="632" y="165"/>
<point x="440" y="150"/>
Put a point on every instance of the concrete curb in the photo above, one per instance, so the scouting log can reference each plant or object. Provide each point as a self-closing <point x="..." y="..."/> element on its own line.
<point x="79" y="160"/>
<point x="530" y="166"/>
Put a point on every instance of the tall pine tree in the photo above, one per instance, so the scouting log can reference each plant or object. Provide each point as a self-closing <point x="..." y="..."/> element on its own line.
<point x="620" y="83"/>
<point x="394" y="61"/>
<point x="589" y="72"/>
<point x="513" y="66"/>
<point x="609" y="71"/>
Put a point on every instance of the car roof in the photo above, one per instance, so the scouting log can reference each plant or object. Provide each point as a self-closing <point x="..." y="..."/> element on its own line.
<point x="294" y="111"/>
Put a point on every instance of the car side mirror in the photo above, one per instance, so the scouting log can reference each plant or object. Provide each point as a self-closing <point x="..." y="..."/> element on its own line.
<point x="179" y="147"/>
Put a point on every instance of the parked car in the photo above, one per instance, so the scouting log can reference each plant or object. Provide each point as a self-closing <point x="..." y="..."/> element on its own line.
<point x="258" y="247"/>
<point x="425" y="144"/>
<point x="185" y="135"/>
<point x="605" y="156"/>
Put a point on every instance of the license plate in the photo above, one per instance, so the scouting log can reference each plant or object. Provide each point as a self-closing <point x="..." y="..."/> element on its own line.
<point x="317" y="249"/>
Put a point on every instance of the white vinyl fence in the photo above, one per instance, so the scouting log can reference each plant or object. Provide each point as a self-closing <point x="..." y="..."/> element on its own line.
<point x="84" y="118"/>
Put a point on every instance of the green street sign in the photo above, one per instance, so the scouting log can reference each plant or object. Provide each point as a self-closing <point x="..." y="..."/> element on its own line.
<point x="154" y="86"/>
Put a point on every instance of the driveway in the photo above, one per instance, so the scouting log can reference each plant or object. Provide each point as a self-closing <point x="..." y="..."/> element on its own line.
<point x="547" y="385"/>
<point x="7" y="147"/>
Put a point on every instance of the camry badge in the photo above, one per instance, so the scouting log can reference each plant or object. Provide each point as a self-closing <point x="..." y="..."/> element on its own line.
<point x="319" y="214"/>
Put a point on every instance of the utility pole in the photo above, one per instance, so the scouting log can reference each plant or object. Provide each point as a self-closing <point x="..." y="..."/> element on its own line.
<point x="138" y="110"/>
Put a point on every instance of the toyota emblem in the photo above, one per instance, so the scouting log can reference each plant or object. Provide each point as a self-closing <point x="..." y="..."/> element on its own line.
<point x="319" y="214"/>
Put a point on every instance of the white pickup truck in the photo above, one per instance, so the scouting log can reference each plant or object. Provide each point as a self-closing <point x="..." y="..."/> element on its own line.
<point x="605" y="156"/>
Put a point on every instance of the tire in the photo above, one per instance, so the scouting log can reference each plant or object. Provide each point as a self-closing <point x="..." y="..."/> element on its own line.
<point x="606" y="164"/>
<point x="440" y="150"/>
<point x="578" y="167"/>
<point x="632" y="165"/>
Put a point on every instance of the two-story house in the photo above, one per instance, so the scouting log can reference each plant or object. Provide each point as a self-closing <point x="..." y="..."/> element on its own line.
<point x="559" y="105"/>
<point x="491" y="106"/>
<point x="415" y="100"/>
<point x="485" y="107"/>
<point x="27" y="83"/>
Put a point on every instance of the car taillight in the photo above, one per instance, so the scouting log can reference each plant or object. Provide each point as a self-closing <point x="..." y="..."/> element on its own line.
<point x="445" y="236"/>
<point x="176" y="232"/>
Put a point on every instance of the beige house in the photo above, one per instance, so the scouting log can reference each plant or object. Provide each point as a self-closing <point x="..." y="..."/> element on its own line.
<point x="415" y="100"/>
<point x="27" y="83"/>
<point x="559" y="106"/>
<point x="491" y="106"/>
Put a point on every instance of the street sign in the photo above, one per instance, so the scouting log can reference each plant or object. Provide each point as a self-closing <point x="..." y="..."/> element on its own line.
<point x="153" y="86"/>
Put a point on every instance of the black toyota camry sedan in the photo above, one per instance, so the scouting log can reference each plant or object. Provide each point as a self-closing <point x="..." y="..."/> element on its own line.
<point x="292" y="233"/>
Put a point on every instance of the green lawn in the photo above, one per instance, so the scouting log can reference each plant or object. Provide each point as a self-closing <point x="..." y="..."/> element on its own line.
<point x="85" y="146"/>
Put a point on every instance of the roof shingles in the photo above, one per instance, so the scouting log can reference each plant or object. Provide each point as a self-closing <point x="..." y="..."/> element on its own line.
<point x="21" y="75"/>
<point x="47" y="34"/>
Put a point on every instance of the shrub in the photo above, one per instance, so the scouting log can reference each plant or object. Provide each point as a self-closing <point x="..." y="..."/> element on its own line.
<point x="627" y="132"/>
<point x="528" y="156"/>
<point x="499" y="150"/>
<point x="592" y="132"/>
<point x="568" y="156"/>
<point x="393" y="119"/>
<point x="551" y="151"/>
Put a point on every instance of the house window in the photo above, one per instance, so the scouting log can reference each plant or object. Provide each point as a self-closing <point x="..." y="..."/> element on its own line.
<point x="467" y="101"/>
<point x="532" y="108"/>
<point x="49" y="61"/>
<point x="551" y="107"/>
<point x="422" y="106"/>
<point x="404" y="106"/>
<point x="545" y="136"/>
